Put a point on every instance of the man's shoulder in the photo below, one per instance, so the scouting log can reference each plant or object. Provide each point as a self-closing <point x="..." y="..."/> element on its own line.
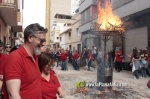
<point x="15" y="55"/>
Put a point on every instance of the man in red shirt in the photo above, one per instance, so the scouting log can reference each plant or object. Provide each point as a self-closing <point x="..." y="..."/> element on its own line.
<point x="63" y="58"/>
<point x="76" y="60"/>
<point x="21" y="72"/>
<point x="2" y="60"/>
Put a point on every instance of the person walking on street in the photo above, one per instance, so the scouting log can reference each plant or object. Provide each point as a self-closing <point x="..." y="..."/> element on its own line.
<point x="90" y="59"/>
<point x="94" y="52"/>
<point x="100" y="57"/>
<point x="118" y="60"/>
<point x="63" y="58"/>
<point x="136" y="62"/>
<point x="76" y="60"/>
<point x="58" y="60"/>
<point x="21" y="72"/>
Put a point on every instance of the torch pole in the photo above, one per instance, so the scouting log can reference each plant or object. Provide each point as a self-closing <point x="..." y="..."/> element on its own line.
<point x="105" y="40"/>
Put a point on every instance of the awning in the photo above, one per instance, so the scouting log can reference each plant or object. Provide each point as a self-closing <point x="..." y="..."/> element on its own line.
<point x="17" y="28"/>
<point x="8" y="14"/>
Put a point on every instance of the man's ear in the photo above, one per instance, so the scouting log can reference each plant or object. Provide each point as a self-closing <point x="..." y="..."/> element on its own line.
<point x="30" y="38"/>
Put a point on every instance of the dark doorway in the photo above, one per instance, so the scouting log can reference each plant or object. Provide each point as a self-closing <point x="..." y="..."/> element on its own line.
<point x="70" y="47"/>
<point x="79" y="48"/>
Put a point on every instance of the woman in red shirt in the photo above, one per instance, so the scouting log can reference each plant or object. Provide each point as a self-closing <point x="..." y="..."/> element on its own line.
<point x="50" y="85"/>
<point x="118" y="60"/>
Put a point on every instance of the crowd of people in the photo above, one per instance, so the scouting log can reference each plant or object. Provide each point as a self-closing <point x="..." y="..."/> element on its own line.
<point x="140" y="61"/>
<point x="26" y="71"/>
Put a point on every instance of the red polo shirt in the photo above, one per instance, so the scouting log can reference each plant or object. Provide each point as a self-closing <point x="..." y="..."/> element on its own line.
<point x="49" y="88"/>
<point x="2" y="60"/>
<point x="63" y="56"/>
<point x="76" y="56"/>
<point x="118" y="56"/>
<point x="19" y="65"/>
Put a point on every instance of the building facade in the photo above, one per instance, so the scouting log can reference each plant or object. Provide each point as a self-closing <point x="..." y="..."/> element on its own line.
<point x="74" y="6"/>
<point x="70" y="39"/>
<point x="47" y="21"/>
<point x="76" y="43"/>
<point x="10" y="20"/>
<point x="62" y="7"/>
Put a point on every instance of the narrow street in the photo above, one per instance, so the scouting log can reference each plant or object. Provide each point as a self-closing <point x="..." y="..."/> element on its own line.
<point x="136" y="89"/>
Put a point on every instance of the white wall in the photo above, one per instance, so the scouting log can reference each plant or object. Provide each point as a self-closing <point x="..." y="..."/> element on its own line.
<point x="62" y="42"/>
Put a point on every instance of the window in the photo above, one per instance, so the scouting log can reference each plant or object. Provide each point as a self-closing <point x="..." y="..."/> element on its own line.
<point x="68" y="24"/>
<point x="85" y="16"/>
<point x="77" y="31"/>
<point x="69" y="35"/>
<point x="70" y="47"/>
<point x="54" y="24"/>
<point x="60" y="38"/>
<point x="54" y="21"/>
<point x="73" y="48"/>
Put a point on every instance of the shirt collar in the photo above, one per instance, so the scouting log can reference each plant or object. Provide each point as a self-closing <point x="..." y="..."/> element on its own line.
<point x="24" y="52"/>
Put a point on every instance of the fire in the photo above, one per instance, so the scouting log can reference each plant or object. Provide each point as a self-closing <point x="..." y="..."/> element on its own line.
<point x="107" y="20"/>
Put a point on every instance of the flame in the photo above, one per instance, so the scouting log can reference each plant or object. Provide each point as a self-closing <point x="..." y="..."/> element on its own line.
<point x="107" y="20"/>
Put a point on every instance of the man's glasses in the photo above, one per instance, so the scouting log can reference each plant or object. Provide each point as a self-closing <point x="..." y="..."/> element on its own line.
<point x="42" y="45"/>
<point x="41" y="40"/>
<point x="8" y="46"/>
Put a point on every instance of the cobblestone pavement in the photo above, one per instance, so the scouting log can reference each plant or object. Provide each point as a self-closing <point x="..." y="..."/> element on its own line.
<point x="136" y="88"/>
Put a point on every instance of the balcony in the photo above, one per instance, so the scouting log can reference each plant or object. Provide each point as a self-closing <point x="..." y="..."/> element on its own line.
<point x="8" y="12"/>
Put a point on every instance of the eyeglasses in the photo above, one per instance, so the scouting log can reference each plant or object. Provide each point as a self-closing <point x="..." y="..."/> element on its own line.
<point x="8" y="46"/>
<point x="42" y="45"/>
<point x="41" y="40"/>
<point x="49" y="66"/>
